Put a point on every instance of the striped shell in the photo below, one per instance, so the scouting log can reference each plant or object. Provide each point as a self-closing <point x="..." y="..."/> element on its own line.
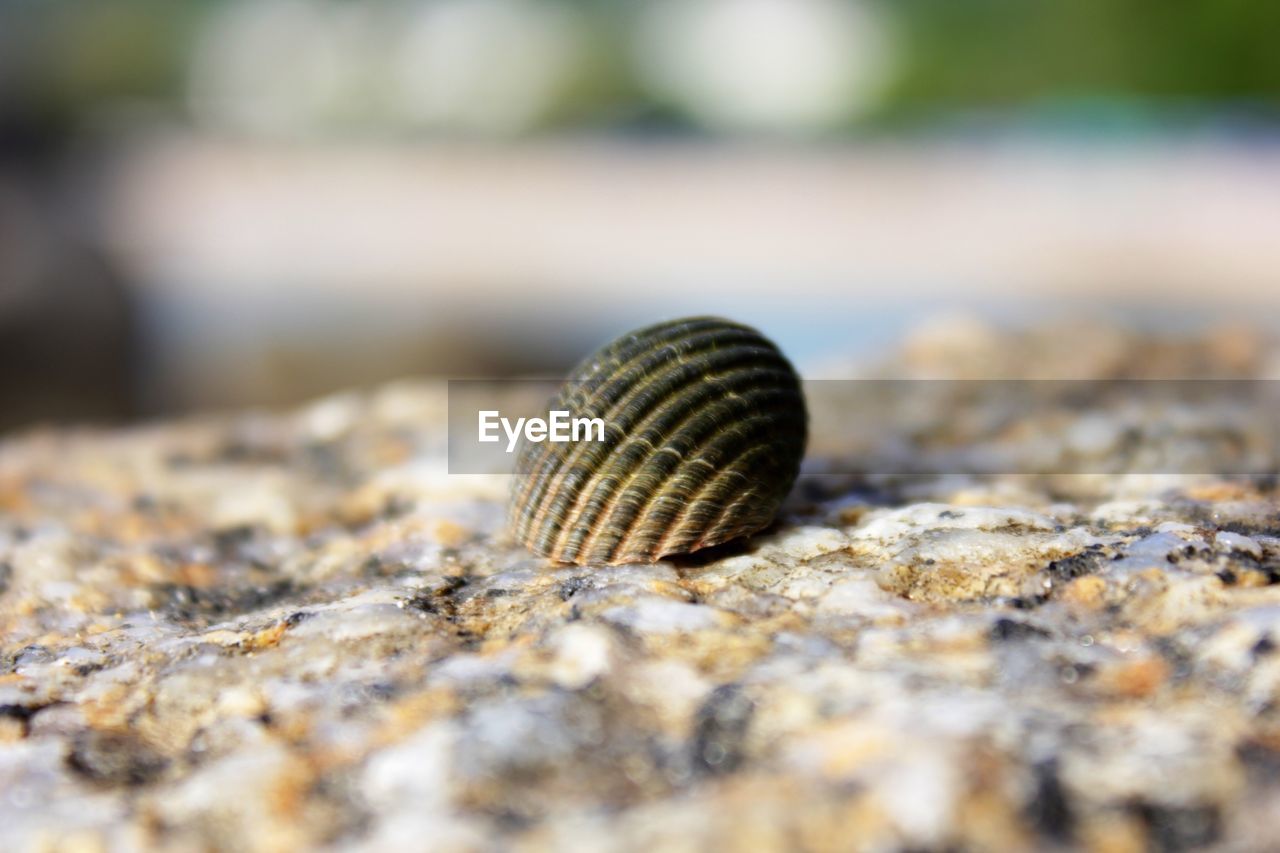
<point x="705" y="429"/>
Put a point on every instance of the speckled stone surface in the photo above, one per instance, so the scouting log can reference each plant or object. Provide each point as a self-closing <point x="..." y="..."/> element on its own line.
<point x="269" y="632"/>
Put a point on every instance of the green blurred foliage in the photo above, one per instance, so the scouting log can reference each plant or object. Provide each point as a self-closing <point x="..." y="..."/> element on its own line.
<point x="994" y="53"/>
<point x="60" y="57"/>
<point x="60" y="60"/>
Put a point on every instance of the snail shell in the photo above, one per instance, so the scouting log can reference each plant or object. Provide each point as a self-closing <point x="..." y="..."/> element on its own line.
<point x="705" y="429"/>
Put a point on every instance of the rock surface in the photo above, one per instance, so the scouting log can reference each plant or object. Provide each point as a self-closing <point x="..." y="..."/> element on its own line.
<point x="267" y="632"/>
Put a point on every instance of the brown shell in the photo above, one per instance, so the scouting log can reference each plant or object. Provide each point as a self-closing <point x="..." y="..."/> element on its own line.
<point x="705" y="430"/>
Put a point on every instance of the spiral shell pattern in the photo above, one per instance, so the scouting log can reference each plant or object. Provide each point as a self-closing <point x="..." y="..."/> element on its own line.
<point x="705" y="430"/>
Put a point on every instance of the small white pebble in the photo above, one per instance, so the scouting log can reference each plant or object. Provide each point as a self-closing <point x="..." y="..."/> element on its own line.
<point x="1236" y="542"/>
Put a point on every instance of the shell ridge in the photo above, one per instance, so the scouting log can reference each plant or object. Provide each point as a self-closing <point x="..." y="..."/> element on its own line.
<point x="715" y="528"/>
<point x="537" y="483"/>
<point x="626" y="416"/>
<point x="719" y="476"/>
<point x="593" y="490"/>
<point x="705" y="430"/>
<point x="601" y="371"/>
<point x="738" y="469"/>
<point x="741" y="431"/>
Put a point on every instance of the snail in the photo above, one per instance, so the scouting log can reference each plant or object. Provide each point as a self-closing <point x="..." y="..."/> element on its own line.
<point x="705" y="427"/>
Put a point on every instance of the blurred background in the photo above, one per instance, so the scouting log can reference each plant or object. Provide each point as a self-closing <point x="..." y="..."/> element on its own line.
<point x="209" y="204"/>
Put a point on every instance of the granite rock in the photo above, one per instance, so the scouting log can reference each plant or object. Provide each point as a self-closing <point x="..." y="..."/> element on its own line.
<point x="276" y="631"/>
